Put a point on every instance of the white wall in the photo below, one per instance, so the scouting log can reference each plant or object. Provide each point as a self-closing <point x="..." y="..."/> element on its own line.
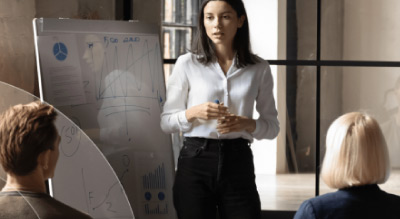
<point x="17" y="57"/>
<point x="371" y="32"/>
<point x="263" y="22"/>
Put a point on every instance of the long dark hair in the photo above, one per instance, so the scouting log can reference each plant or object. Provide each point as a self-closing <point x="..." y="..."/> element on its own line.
<point x="204" y="48"/>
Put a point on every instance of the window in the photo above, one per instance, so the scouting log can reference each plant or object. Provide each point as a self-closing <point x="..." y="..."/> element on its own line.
<point x="328" y="58"/>
<point x="179" y="21"/>
<point x="339" y="59"/>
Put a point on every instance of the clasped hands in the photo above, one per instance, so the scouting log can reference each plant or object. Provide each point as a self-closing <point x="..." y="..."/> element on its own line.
<point x="226" y="122"/>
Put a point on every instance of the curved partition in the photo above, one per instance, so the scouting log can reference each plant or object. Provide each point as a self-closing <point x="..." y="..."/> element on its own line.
<point x="83" y="178"/>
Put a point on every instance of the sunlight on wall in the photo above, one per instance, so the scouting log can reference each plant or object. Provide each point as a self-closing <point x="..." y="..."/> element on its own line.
<point x="263" y="21"/>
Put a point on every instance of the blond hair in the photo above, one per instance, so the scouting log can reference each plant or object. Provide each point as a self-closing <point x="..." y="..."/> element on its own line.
<point x="356" y="152"/>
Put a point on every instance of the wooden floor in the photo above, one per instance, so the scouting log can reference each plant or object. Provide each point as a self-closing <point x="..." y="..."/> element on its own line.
<point x="285" y="192"/>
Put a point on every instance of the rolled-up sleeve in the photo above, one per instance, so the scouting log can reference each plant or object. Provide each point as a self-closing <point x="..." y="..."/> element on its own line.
<point x="267" y="125"/>
<point x="173" y="118"/>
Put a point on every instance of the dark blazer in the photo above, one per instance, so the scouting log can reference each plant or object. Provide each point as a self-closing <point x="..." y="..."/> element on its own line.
<point x="355" y="202"/>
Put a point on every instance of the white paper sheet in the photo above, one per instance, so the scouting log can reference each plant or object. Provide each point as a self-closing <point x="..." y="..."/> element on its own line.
<point x="61" y="69"/>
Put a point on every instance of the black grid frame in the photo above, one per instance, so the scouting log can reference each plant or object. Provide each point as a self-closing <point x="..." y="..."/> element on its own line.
<point x="318" y="63"/>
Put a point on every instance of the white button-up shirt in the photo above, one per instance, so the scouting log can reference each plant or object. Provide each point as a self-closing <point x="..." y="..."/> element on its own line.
<point x="192" y="83"/>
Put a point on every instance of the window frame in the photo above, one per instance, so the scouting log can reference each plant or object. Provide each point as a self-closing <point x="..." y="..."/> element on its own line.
<point x="318" y="63"/>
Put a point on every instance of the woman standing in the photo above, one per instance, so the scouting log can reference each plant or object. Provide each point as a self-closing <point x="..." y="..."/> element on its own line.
<point x="215" y="166"/>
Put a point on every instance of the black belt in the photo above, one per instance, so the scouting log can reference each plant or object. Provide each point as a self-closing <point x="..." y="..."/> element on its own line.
<point x="208" y="141"/>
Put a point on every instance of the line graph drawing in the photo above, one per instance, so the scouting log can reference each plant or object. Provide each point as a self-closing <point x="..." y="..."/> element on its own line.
<point x="127" y="70"/>
<point x="94" y="202"/>
<point x="103" y="201"/>
<point x="118" y="80"/>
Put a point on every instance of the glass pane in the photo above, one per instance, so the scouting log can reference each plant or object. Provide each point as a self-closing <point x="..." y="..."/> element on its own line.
<point x="83" y="177"/>
<point x="180" y="12"/>
<point x="371" y="90"/>
<point x="360" y="30"/>
<point x="177" y="41"/>
<point x="301" y="110"/>
<point x="285" y="191"/>
<point x="168" y="71"/>
<point x="177" y="138"/>
<point x="301" y="30"/>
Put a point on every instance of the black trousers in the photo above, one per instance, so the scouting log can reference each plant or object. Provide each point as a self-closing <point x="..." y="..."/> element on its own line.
<point x="216" y="176"/>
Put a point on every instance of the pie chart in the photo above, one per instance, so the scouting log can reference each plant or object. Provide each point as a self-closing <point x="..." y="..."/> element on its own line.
<point x="60" y="51"/>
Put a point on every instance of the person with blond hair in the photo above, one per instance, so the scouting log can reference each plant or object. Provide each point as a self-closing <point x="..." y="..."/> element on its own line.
<point x="29" y="152"/>
<point x="356" y="160"/>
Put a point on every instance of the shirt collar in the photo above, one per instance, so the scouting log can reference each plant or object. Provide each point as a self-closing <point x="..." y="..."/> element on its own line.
<point x="231" y="69"/>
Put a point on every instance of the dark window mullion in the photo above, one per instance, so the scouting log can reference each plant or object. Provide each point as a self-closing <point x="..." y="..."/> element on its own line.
<point x="323" y="63"/>
<point x="318" y="102"/>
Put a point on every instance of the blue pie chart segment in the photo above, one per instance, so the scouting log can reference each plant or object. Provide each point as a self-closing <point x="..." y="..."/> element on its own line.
<point x="60" y="51"/>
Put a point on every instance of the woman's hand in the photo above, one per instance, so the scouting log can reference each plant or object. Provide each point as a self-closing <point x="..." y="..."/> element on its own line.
<point x="206" y="111"/>
<point x="234" y="123"/>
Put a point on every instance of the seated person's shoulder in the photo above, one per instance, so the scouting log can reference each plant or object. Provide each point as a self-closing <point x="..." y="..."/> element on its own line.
<point x="33" y="205"/>
<point x="62" y="210"/>
<point x="392" y="198"/>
